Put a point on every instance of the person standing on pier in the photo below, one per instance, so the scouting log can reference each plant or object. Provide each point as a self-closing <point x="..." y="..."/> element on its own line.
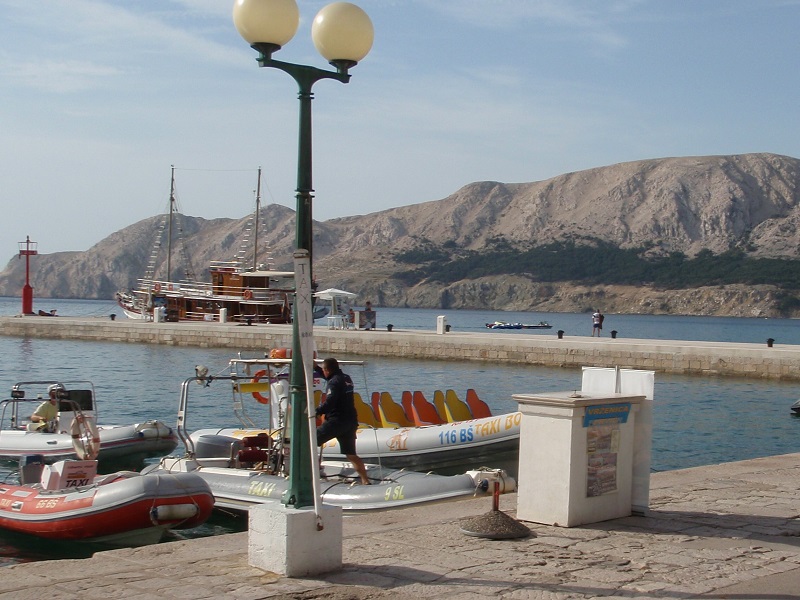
<point x="341" y="418"/>
<point x="597" y="323"/>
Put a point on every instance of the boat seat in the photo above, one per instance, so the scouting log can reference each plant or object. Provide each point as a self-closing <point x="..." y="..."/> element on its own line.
<point x="253" y="455"/>
<point x="30" y="474"/>
<point x="375" y="400"/>
<point x="423" y="412"/>
<point x="366" y="416"/>
<point x="450" y="407"/>
<point x="262" y="440"/>
<point x="406" y="401"/>
<point x="391" y="413"/>
<point x="477" y="407"/>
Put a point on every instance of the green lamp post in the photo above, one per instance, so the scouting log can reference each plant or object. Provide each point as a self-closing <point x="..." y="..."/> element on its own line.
<point x="342" y="34"/>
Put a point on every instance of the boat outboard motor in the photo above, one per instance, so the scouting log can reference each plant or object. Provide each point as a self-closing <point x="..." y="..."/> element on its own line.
<point x="30" y="468"/>
<point x="796" y="407"/>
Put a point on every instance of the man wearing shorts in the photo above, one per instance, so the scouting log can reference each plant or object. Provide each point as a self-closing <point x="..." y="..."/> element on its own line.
<point x="341" y="419"/>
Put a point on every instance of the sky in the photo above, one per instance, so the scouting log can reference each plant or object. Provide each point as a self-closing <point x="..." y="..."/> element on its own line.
<point x="99" y="98"/>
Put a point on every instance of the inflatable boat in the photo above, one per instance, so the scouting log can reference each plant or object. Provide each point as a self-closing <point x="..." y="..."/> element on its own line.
<point x="446" y="435"/>
<point x="77" y="415"/>
<point x="69" y="501"/>
<point x="249" y="471"/>
<point x="250" y="467"/>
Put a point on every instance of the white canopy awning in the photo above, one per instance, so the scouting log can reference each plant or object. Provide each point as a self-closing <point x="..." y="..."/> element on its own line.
<point x="333" y="293"/>
<point x="339" y="300"/>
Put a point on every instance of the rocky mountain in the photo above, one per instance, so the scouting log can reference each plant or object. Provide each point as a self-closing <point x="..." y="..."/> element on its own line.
<point x="717" y="203"/>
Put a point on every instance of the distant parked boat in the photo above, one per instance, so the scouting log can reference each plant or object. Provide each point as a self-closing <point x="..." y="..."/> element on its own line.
<point x="506" y="325"/>
<point x="250" y="293"/>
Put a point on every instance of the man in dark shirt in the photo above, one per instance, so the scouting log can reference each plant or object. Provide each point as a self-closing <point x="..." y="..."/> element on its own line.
<point x="341" y="418"/>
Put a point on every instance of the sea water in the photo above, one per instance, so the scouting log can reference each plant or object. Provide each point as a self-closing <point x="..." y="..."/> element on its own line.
<point x="697" y="420"/>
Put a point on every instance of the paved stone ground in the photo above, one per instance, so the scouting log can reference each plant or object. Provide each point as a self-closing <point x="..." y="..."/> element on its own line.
<point x="725" y="531"/>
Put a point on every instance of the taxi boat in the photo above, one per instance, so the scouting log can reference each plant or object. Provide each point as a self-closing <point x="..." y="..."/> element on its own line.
<point x="445" y="435"/>
<point x="128" y="445"/>
<point x="68" y="501"/>
<point x="249" y="466"/>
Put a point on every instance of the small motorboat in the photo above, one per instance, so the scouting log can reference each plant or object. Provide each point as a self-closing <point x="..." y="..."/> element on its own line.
<point x="68" y="501"/>
<point x="250" y="468"/>
<point x="796" y="407"/>
<point x="506" y="325"/>
<point x="77" y="419"/>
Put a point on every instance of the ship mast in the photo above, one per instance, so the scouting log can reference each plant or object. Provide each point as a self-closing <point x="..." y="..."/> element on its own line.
<point x="169" y="232"/>
<point x="255" y="229"/>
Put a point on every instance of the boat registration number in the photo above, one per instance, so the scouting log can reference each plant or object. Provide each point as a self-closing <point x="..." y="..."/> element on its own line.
<point x="479" y="430"/>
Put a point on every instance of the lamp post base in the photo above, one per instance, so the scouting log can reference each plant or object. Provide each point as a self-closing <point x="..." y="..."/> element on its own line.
<point x="287" y="541"/>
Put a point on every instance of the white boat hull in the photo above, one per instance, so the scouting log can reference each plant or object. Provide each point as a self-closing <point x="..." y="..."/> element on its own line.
<point x="442" y="448"/>
<point x="240" y="488"/>
<point x="131" y="443"/>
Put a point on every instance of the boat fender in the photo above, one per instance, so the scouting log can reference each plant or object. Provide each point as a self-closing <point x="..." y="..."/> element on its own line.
<point x="85" y="437"/>
<point x="257" y="395"/>
<point x="484" y="478"/>
<point x="172" y="512"/>
<point x="153" y="430"/>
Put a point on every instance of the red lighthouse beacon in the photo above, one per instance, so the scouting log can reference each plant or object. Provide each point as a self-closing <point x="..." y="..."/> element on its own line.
<point x="27" y="249"/>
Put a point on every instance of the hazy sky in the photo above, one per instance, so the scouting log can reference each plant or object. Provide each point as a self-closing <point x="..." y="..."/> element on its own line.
<point x="99" y="97"/>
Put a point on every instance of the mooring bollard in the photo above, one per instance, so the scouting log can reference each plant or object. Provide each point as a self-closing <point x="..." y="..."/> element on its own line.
<point x="389" y="327"/>
<point x="112" y="316"/>
<point x="613" y="334"/>
<point x="560" y="334"/>
<point x="770" y="341"/>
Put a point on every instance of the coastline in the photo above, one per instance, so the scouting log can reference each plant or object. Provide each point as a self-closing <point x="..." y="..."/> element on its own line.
<point x="725" y="359"/>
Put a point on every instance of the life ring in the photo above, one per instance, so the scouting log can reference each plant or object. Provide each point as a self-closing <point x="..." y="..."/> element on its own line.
<point x="258" y="375"/>
<point x="85" y="437"/>
<point x="156" y="287"/>
<point x="280" y="353"/>
<point x="248" y="294"/>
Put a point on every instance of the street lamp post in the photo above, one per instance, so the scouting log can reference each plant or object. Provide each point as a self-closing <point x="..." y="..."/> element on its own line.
<point x="343" y="34"/>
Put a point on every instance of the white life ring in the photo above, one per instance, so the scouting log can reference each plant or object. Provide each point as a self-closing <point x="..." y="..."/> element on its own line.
<point x="85" y="437"/>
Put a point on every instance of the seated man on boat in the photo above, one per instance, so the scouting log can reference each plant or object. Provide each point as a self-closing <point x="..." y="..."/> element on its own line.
<point x="44" y="417"/>
<point x="341" y="418"/>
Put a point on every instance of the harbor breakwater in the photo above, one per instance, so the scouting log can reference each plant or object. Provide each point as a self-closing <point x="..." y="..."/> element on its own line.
<point x="667" y="356"/>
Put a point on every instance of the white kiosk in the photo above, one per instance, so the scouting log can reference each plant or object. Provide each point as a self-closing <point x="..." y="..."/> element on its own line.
<point x="583" y="456"/>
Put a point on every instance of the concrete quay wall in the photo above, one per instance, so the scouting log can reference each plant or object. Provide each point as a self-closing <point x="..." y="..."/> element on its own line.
<point x="666" y="356"/>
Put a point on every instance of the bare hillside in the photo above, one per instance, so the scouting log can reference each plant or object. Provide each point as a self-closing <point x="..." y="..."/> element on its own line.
<point x="670" y="205"/>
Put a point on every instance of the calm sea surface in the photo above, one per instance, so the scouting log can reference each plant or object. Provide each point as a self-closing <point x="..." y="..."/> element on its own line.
<point x="697" y="420"/>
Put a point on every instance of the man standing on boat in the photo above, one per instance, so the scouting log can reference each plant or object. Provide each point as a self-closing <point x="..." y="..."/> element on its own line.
<point x="341" y="418"/>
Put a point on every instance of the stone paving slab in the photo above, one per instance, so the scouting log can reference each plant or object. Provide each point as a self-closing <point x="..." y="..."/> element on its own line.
<point x="725" y="531"/>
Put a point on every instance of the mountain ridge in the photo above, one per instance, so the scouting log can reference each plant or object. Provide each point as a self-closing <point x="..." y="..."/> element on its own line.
<point x="748" y="202"/>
